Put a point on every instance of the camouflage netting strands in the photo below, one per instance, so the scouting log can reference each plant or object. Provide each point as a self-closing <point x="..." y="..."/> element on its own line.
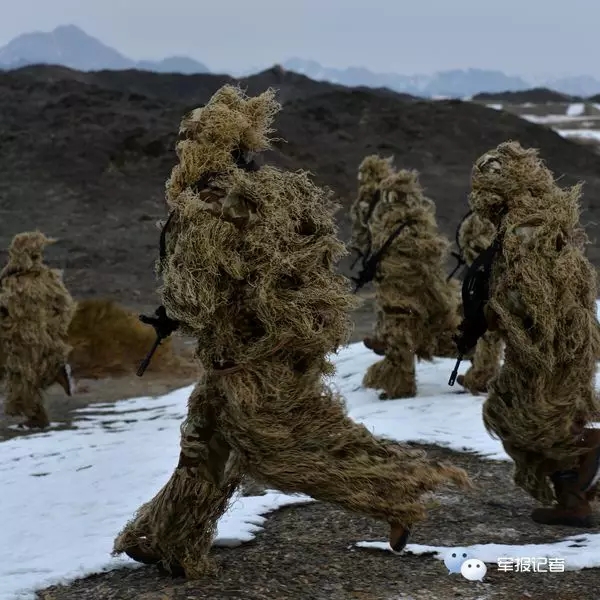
<point x="35" y="312"/>
<point x="249" y="271"/>
<point x="543" y="304"/>
<point x="420" y="308"/>
<point x="474" y="236"/>
<point x="371" y="172"/>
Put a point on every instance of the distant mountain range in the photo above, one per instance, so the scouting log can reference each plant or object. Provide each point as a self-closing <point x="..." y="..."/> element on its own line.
<point x="455" y="83"/>
<point x="69" y="46"/>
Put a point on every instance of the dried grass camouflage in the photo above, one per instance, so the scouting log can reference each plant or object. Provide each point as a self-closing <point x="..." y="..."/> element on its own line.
<point x="250" y="272"/>
<point x="543" y="305"/>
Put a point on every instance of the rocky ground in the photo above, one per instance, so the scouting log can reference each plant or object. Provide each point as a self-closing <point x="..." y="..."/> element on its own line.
<point x="308" y="552"/>
<point x="84" y="157"/>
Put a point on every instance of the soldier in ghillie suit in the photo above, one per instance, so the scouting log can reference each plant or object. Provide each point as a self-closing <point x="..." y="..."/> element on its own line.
<point x="475" y="235"/>
<point x="371" y="172"/>
<point x="35" y="312"/>
<point x="419" y="307"/>
<point x="536" y="289"/>
<point x="248" y="269"/>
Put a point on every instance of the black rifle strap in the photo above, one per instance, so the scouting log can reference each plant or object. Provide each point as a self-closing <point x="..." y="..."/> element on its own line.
<point x="475" y="288"/>
<point x="370" y="262"/>
<point x="475" y="296"/>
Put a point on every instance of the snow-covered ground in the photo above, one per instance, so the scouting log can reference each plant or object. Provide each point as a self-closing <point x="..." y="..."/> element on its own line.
<point x="550" y="119"/>
<point x="66" y="494"/>
<point x="576" y="109"/>
<point x="588" y="134"/>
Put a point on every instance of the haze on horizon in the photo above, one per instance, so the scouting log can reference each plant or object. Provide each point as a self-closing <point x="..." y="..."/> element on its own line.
<point x="531" y="38"/>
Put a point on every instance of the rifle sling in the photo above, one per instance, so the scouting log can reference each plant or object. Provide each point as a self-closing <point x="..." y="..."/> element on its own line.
<point x="370" y="261"/>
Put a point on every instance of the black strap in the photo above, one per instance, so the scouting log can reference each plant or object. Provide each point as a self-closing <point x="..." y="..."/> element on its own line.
<point x="162" y="250"/>
<point x="370" y="261"/>
<point x="460" y="261"/>
<point x="372" y="204"/>
<point x="475" y="296"/>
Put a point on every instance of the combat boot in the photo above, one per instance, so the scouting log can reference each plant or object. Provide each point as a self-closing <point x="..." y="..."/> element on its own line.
<point x="37" y="419"/>
<point x="65" y="380"/>
<point x="399" y="537"/>
<point x="377" y="346"/>
<point x="479" y="389"/>
<point x="575" y="489"/>
<point x="146" y="556"/>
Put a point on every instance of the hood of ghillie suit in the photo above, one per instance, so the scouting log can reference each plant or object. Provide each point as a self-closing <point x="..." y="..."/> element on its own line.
<point x="403" y="201"/>
<point x="513" y="180"/>
<point x="474" y="236"/>
<point x="374" y="169"/>
<point x="402" y="198"/>
<point x="544" y="289"/>
<point x="25" y="252"/>
<point x="249" y="253"/>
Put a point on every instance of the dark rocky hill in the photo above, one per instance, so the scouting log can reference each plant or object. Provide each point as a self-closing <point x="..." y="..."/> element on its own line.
<point x="534" y="95"/>
<point x="84" y="157"/>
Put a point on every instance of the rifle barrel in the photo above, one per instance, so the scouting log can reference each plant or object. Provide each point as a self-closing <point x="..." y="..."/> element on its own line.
<point x="146" y="362"/>
<point x="454" y="373"/>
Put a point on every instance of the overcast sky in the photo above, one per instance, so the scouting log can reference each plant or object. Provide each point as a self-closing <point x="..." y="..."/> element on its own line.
<point x="521" y="37"/>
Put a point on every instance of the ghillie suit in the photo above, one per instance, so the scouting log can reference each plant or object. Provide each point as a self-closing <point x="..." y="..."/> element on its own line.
<point x="109" y="340"/>
<point x="419" y="307"/>
<point x="35" y="312"/>
<point x="371" y="172"/>
<point x="475" y="235"/>
<point x="541" y="300"/>
<point x="249" y="270"/>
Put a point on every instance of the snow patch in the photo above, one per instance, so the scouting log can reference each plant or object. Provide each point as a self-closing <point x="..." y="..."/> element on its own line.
<point x="576" y="109"/>
<point x="66" y="494"/>
<point x="586" y="134"/>
<point x="575" y="552"/>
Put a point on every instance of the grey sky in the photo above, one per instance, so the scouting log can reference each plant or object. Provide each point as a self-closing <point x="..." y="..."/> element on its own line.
<point x="527" y="37"/>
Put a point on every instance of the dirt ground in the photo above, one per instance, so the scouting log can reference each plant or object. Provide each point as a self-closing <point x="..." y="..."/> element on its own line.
<point x="308" y="552"/>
